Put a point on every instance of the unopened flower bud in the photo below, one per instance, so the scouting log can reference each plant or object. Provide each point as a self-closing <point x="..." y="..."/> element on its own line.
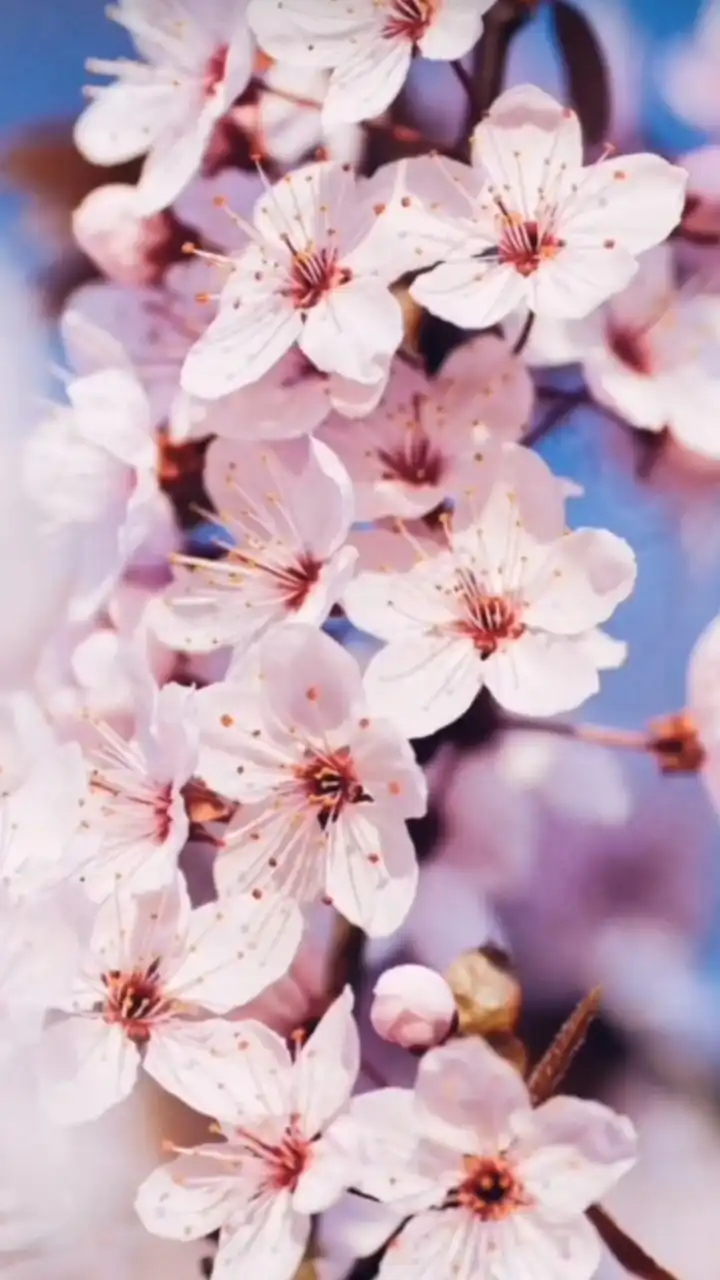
<point x="486" y="992"/>
<point x="675" y="743"/>
<point x="127" y="247"/>
<point x="413" y="1007"/>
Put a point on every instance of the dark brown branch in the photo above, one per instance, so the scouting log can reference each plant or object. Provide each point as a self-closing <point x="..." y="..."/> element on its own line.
<point x="556" y="1061"/>
<point x="626" y="1250"/>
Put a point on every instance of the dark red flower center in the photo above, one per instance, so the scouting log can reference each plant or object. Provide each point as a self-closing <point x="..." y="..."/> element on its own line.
<point x="294" y="580"/>
<point x="525" y="246"/>
<point x="285" y="1160"/>
<point x="488" y="619"/>
<point x="216" y="70"/>
<point x="313" y="274"/>
<point x="331" y="783"/>
<point x="134" y="1000"/>
<point x="409" y="19"/>
<point x="417" y="461"/>
<point x="490" y="1190"/>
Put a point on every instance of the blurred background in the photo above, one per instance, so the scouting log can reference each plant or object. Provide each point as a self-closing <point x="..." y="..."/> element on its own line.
<point x="589" y="867"/>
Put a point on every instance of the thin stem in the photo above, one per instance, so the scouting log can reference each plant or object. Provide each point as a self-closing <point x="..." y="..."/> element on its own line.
<point x="626" y="1250"/>
<point x="466" y="80"/>
<point x="599" y="735"/>
<point x="524" y="336"/>
<point x="563" y="407"/>
<point x="550" y="1071"/>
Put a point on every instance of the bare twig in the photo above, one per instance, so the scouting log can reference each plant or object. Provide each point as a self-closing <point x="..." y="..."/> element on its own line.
<point x="557" y="1059"/>
<point x="626" y="1250"/>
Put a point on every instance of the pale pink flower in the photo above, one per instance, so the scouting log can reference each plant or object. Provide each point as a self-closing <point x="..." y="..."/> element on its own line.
<point x="528" y="223"/>
<point x="412" y="1006"/>
<point x="703" y="704"/>
<point x="285" y="512"/>
<point x="688" y="74"/>
<point x="136" y="810"/>
<point x="205" y="203"/>
<point x="369" y="43"/>
<point x="309" y="275"/>
<point x="325" y="788"/>
<point x="92" y="467"/>
<point x="289" y="132"/>
<point x="493" y="1187"/>
<point x="512" y="603"/>
<point x="413" y="450"/>
<point x="41" y="822"/>
<point x="652" y="354"/>
<point x="198" y="57"/>
<point x="275" y="1167"/>
<point x="702" y="215"/>
<point x="127" y="246"/>
<point x="152" y="971"/>
<point x="156" y="327"/>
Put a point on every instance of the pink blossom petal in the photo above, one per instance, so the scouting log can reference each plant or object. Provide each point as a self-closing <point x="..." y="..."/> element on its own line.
<point x="578" y="584"/>
<point x="541" y="675"/>
<point x="579" y="279"/>
<point x="471" y="294"/>
<point x="260" y="326"/>
<point x="572" y="1152"/>
<point x="121" y="122"/>
<point x="432" y="1241"/>
<point x="393" y="1162"/>
<point x="368" y="80"/>
<point x="526" y="142"/>
<point x="455" y="30"/>
<point x="266" y="1236"/>
<point x="198" y="1063"/>
<point x="87" y="1067"/>
<point x="312" y="683"/>
<point x="636" y="200"/>
<point x="424" y="682"/>
<point x="233" y="950"/>
<point x="466" y="1094"/>
<point x="371" y="873"/>
<point x="187" y="1198"/>
<point x="556" y="1250"/>
<point x="355" y="331"/>
<point x="327" y="1066"/>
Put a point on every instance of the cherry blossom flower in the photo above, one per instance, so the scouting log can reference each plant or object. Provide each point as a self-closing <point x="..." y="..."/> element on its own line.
<point x="198" y="58"/>
<point x="282" y="119"/>
<point x="325" y="788"/>
<point x="688" y="76"/>
<point x="274" y="1167"/>
<point x="703" y="707"/>
<point x="127" y="246"/>
<point x="309" y="274"/>
<point x="528" y="224"/>
<point x="370" y="45"/>
<point x="41" y="822"/>
<point x="287" y="510"/>
<point x="412" y="452"/>
<point x="652" y="354"/>
<point x="92" y="465"/>
<point x="136" y="810"/>
<point x="151" y="972"/>
<point x="412" y="1006"/>
<point x="156" y="328"/>
<point x="512" y="603"/>
<point x="492" y="1186"/>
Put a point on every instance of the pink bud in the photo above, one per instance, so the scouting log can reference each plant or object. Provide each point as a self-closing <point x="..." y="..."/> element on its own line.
<point x="127" y="247"/>
<point x="412" y="1006"/>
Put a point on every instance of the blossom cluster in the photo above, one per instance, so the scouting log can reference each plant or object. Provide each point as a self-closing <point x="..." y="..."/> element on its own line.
<point x="251" y="458"/>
